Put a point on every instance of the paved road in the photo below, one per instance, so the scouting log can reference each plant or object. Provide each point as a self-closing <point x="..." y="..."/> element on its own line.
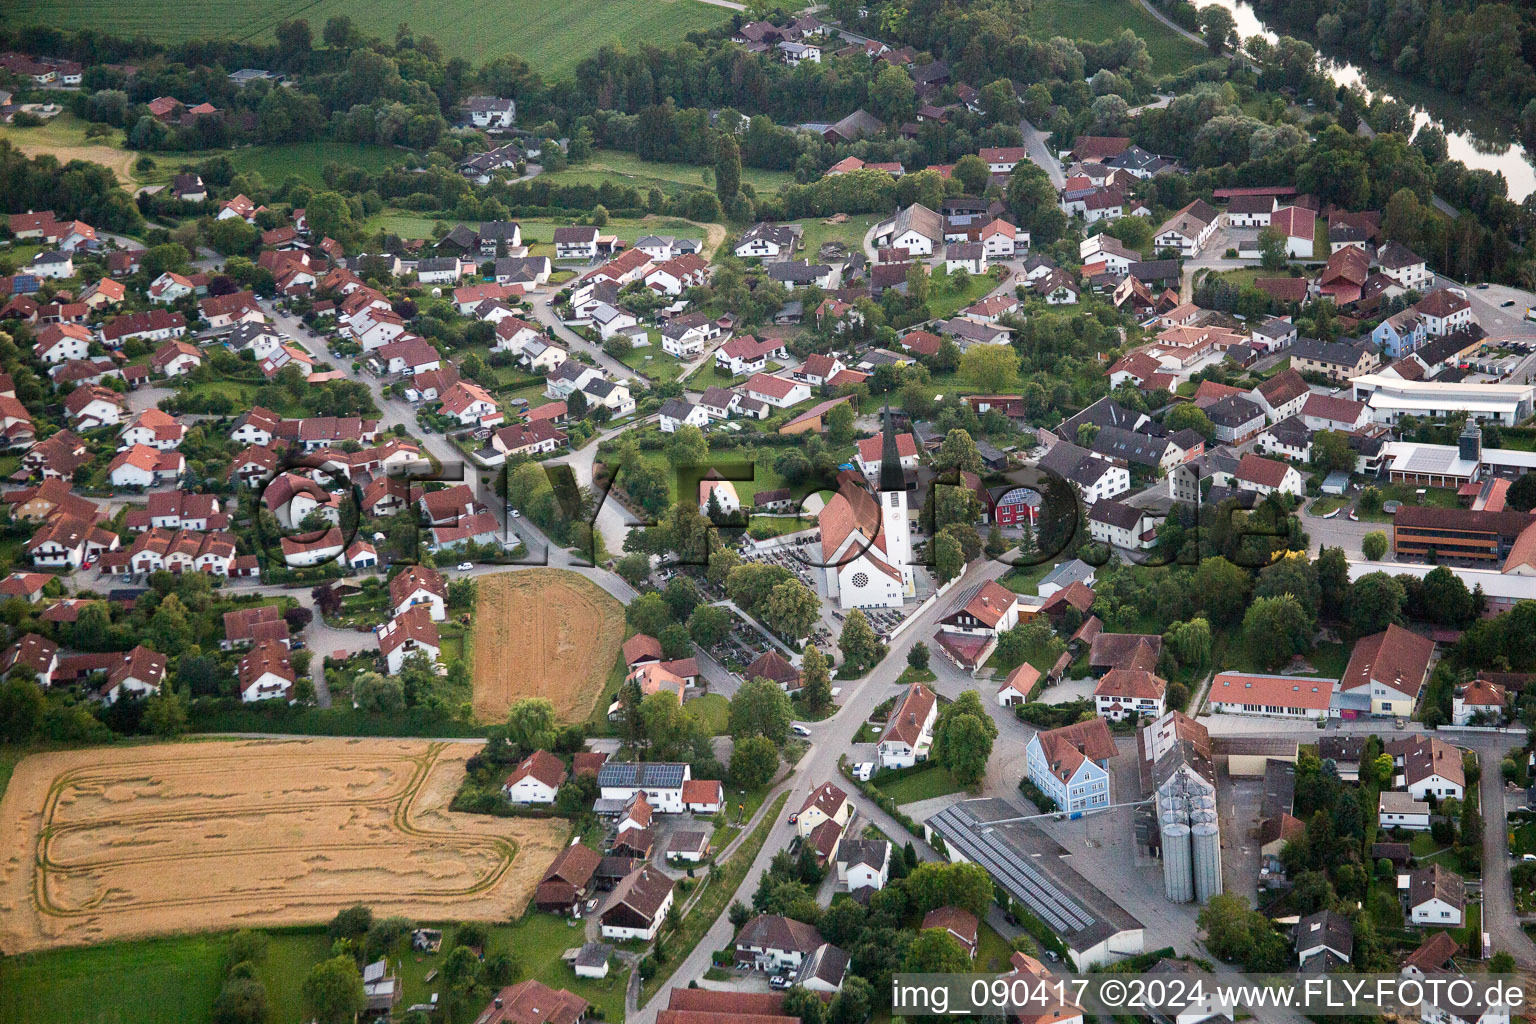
<point x="544" y="312"/>
<point x="830" y="739"/>
<point x="1180" y="29"/>
<point x="1037" y="143"/>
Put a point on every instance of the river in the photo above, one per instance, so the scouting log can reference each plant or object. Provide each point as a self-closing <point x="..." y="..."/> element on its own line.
<point x="1482" y="147"/>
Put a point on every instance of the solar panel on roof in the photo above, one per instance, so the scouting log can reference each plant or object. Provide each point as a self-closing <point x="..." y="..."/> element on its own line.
<point x="1431" y="460"/>
<point x="1022" y="879"/>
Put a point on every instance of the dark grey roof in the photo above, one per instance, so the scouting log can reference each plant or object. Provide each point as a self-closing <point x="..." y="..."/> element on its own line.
<point x="1115" y="513"/>
<point x="1106" y="412"/>
<point x="798" y="271"/>
<point x="1326" y="928"/>
<point x="675" y="408"/>
<point x="1291" y="432"/>
<point x="826" y="963"/>
<point x="1233" y="411"/>
<point x="1154" y="270"/>
<point x="1076" y="464"/>
<point x="1030" y="866"/>
<point x="873" y="852"/>
<point x="1338" y="353"/>
<point x="593" y="954"/>
<point x="1119" y="443"/>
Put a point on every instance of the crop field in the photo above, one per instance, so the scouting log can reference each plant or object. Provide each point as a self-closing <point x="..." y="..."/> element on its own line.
<point x="553" y="38"/>
<point x="543" y="633"/>
<point x="105" y="844"/>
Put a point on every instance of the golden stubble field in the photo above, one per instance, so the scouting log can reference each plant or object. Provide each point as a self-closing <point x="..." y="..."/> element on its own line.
<point x="114" y="843"/>
<point x="543" y="633"/>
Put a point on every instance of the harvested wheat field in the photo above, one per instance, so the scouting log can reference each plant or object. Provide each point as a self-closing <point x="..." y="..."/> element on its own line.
<point x="113" y="843"/>
<point x="543" y="633"/>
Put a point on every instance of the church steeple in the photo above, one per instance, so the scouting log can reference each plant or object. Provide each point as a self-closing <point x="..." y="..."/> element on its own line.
<point x="891" y="476"/>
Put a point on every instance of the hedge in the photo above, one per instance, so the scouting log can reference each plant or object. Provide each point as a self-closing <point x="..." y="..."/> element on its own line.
<point x="230" y="715"/>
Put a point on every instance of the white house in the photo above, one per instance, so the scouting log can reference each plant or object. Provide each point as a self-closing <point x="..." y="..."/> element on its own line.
<point x="864" y="863"/>
<point x="1401" y="810"/>
<point x="576" y="243"/>
<point x="1266" y="476"/>
<point x="1187" y="231"/>
<point x="677" y="412"/>
<point x="1129" y="692"/>
<point x="1120" y="525"/>
<point x="406" y="634"/>
<point x="638" y="906"/>
<point x="916" y="229"/>
<point x="491" y="111"/>
<point x="1436" y="896"/>
<point x="909" y="731"/>
<point x="419" y="587"/>
<point x="536" y="780"/>
<point x="826" y="802"/>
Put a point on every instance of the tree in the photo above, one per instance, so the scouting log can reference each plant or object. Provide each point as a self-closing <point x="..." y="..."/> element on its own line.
<point x="935" y="950"/>
<point x="531" y="725"/>
<point x="687" y="446"/>
<point x="351" y="923"/>
<point x="1374" y="545"/>
<point x="917" y="657"/>
<point x="760" y="708"/>
<point x="1033" y="200"/>
<point x="1189" y="416"/>
<point x="958" y="451"/>
<point x="374" y="692"/>
<point x="1446" y="598"/>
<point x="649" y="613"/>
<point x="971" y="171"/>
<point x="1522" y="493"/>
<point x="860" y="646"/>
<point x="962" y="738"/>
<point x="709" y="624"/>
<point x="241" y="1001"/>
<point x="727" y="167"/>
<point x="933" y="884"/>
<point x="852" y="1003"/>
<point x="990" y="368"/>
<point x="21" y="709"/>
<point x="754" y="761"/>
<point x="1375" y="601"/>
<point x="334" y="991"/>
<point x="1222" y="588"/>
<point x="1272" y="244"/>
<point x="1276" y="628"/>
<point x="1331" y="451"/>
<point x="1218" y="27"/>
<point x="840" y="423"/>
<point x="815" y="681"/>
<point x="165" y="713"/>
<point x="1502" y="962"/>
<point x="790" y="609"/>
<point x="675" y="642"/>
<point x="1292" y="574"/>
<point x="1190" y="641"/>
<point x="948" y="559"/>
<point x="634" y="567"/>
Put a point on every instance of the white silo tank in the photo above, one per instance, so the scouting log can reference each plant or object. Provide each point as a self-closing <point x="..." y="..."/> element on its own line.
<point x="1178" y="875"/>
<point x="1205" y="845"/>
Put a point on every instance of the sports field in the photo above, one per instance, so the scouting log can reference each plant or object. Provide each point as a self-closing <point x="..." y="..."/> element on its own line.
<point x="552" y="37"/>
<point x="104" y="844"/>
<point x="543" y="633"/>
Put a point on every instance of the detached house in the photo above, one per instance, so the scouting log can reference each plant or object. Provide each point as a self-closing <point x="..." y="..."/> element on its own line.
<point x="1187" y="231"/>
<point x="1070" y="765"/>
<point x="536" y="780"/>
<point x="419" y="587"/>
<point x="909" y="731"/>
<point x="407" y="633"/>
<point x="638" y="906"/>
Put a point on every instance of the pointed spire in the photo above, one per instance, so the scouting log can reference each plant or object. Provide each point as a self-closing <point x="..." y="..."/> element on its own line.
<point x="891" y="476"/>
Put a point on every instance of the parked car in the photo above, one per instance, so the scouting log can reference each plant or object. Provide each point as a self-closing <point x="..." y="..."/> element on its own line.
<point x="779" y="981"/>
<point x="863" y="770"/>
<point x="466" y="566"/>
<point x="800" y="730"/>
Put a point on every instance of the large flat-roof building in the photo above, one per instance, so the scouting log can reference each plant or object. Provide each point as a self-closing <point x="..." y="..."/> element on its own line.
<point x="1390" y="397"/>
<point x="1031" y="867"/>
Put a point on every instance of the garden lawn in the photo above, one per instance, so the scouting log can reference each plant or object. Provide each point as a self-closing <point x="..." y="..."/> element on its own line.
<point x="651" y="361"/>
<point x="850" y="232"/>
<point x="712" y="711"/>
<point x="1433" y="497"/>
<point x="628" y="169"/>
<point x="1100" y="20"/>
<point x="307" y="160"/>
<point x="553" y="38"/>
<point x="921" y="785"/>
<point x="1026" y="579"/>
<point x="944" y="300"/>
<point x="1524" y="842"/>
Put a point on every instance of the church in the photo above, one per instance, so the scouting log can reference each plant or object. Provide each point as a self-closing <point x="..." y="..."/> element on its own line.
<point x="866" y="540"/>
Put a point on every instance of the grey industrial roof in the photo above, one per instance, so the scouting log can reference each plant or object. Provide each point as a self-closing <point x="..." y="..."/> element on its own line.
<point x="1029" y="864"/>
